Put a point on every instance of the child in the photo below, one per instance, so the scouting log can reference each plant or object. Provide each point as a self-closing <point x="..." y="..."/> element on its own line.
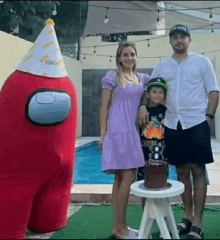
<point x="152" y="134"/>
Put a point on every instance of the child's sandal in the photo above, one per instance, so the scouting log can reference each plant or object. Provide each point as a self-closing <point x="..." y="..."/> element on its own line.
<point x="180" y="226"/>
<point x="195" y="233"/>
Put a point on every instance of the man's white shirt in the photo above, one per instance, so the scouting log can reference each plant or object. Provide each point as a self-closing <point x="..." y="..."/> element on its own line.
<point x="189" y="84"/>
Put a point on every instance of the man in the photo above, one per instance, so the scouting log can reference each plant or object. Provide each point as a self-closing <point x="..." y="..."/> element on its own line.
<point x="192" y="81"/>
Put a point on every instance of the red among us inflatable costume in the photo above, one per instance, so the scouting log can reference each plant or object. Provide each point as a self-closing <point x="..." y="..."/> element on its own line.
<point x="38" y="130"/>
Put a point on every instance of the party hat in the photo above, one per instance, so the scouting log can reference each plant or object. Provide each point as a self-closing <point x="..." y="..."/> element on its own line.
<point x="44" y="58"/>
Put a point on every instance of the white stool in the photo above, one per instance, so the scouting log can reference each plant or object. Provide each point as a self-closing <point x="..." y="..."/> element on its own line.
<point x="157" y="207"/>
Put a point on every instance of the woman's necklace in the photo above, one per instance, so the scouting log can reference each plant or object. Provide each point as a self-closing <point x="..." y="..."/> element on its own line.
<point x="131" y="78"/>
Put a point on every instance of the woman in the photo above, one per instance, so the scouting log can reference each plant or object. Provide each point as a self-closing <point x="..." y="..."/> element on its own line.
<point x="120" y="141"/>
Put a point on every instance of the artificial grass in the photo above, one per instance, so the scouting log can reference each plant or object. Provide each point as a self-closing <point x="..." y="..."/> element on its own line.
<point x="94" y="222"/>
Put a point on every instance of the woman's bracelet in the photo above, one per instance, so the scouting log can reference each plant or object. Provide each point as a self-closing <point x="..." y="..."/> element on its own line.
<point x="103" y="134"/>
<point x="143" y="105"/>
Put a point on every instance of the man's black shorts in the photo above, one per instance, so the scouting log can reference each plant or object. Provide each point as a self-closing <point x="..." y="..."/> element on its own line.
<point x="192" y="145"/>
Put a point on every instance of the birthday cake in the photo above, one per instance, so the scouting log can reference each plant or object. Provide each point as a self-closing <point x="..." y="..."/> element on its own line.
<point x="155" y="169"/>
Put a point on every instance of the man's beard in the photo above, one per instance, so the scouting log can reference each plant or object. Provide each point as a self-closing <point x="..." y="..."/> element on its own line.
<point x="179" y="51"/>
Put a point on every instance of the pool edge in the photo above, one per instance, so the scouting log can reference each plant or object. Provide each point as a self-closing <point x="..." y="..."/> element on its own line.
<point x="102" y="193"/>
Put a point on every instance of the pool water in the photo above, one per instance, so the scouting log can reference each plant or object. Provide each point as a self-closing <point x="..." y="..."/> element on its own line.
<point x="87" y="168"/>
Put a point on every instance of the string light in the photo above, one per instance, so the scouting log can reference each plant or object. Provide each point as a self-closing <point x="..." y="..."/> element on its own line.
<point x="160" y="57"/>
<point x="210" y="16"/>
<point x="147" y="10"/>
<point x="106" y="16"/>
<point x="141" y="40"/>
<point x="212" y="31"/>
<point x="54" y="11"/>
<point x="158" y="17"/>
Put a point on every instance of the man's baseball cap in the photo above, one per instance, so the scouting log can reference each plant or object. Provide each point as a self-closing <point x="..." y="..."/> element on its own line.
<point x="179" y="29"/>
<point x="159" y="81"/>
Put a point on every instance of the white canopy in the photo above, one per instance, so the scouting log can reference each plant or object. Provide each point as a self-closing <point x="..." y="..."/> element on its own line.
<point x="121" y="21"/>
<point x="199" y="4"/>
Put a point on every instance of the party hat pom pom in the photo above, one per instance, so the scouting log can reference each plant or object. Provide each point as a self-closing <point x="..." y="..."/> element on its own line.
<point x="50" y="21"/>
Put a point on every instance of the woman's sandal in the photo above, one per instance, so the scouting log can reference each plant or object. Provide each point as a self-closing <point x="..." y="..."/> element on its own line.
<point x="195" y="233"/>
<point x="136" y="231"/>
<point x="130" y="235"/>
<point x="184" y="226"/>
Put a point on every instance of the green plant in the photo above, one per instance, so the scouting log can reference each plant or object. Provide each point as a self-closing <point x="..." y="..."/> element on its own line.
<point x="25" y="14"/>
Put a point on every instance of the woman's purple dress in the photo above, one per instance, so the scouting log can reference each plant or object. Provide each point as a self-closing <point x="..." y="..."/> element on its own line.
<point x="122" y="146"/>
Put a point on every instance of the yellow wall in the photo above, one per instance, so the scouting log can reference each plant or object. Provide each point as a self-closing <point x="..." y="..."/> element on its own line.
<point x="158" y="47"/>
<point x="74" y="69"/>
<point x="12" y="50"/>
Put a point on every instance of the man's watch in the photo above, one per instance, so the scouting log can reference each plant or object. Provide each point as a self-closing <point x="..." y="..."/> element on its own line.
<point x="210" y="116"/>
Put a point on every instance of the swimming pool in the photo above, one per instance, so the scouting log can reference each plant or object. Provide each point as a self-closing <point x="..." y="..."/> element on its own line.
<point x="87" y="168"/>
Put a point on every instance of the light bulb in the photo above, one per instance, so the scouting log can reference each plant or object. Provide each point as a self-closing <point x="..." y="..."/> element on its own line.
<point x="1" y="1"/>
<point x="158" y="18"/>
<point x="54" y="12"/>
<point x="210" y="16"/>
<point x="106" y="19"/>
<point x="106" y="16"/>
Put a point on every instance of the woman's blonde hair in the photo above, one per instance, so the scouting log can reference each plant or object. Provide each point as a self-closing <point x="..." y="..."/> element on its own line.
<point x="120" y="78"/>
